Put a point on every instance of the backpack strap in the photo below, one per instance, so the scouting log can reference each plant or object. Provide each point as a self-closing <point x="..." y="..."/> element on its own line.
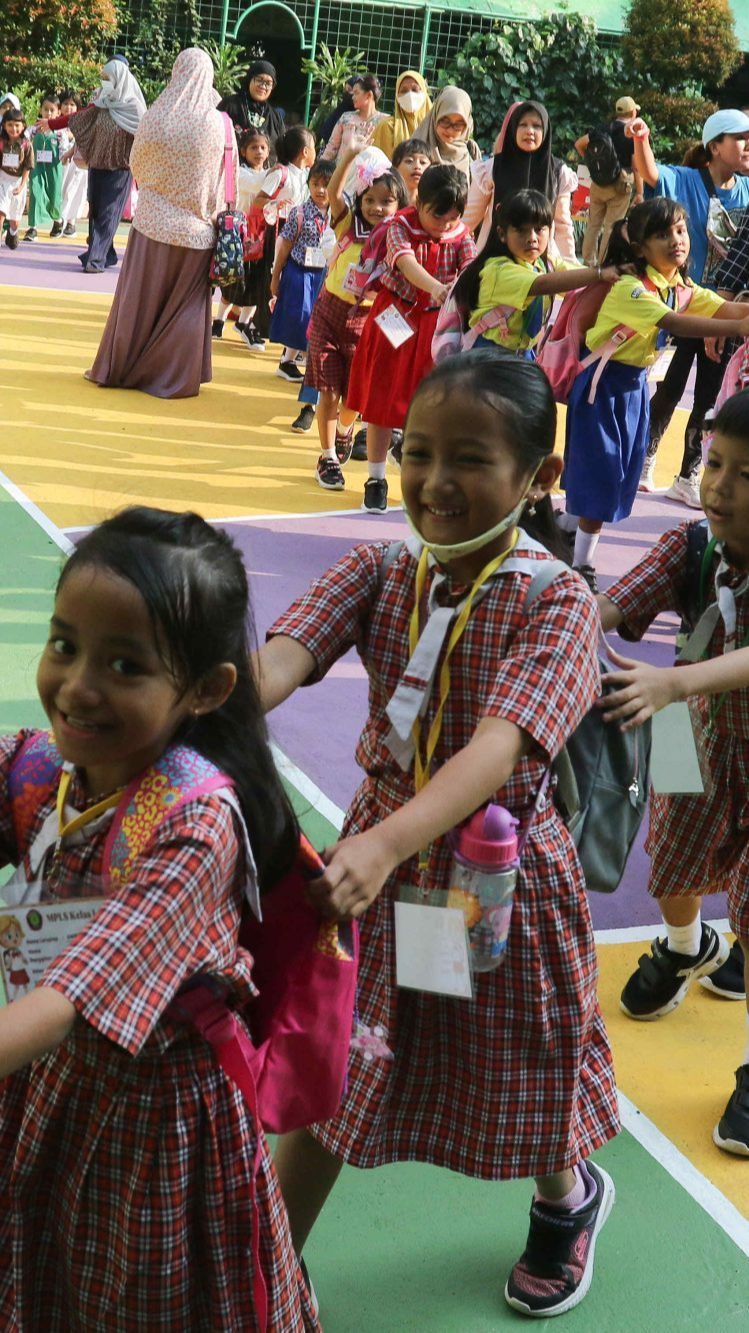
<point x="566" y="783"/>
<point x="623" y="333"/>
<point x="33" y="778"/>
<point x="229" y="187"/>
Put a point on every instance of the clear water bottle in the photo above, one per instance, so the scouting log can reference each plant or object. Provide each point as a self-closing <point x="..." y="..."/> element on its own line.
<point x="482" y="884"/>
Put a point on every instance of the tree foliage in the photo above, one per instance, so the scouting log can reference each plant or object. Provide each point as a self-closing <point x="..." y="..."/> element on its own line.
<point x="678" y="45"/>
<point x="63" y="28"/>
<point x="558" y="60"/>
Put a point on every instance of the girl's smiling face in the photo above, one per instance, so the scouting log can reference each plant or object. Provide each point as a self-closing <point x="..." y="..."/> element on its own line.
<point x="377" y="203"/>
<point x="526" y="243"/>
<point x="68" y="108"/>
<point x="112" y="702"/>
<point x="668" y="250"/>
<point x="529" y="132"/>
<point x="13" y="129"/>
<point x="460" y="476"/>
<point x="724" y="493"/>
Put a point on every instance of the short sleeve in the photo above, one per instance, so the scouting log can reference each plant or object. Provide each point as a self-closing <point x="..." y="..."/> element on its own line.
<point x="466" y="251"/>
<point x="631" y="302"/>
<point x="704" y="302"/>
<point x="398" y="243"/>
<point x="150" y="937"/>
<point x="291" y="229"/>
<point x="654" y="585"/>
<point x="271" y="183"/>
<point x="549" y="677"/>
<point x="503" y="282"/>
<point x="331" y="616"/>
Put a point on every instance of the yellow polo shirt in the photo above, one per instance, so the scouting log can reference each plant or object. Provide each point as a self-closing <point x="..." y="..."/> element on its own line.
<point x="506" y="281"/>
<point x="342" y="262"/>
<point x="630" y="302"/>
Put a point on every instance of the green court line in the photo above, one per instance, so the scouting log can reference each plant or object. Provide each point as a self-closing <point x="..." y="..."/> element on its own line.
<point x="411" y="1247"/>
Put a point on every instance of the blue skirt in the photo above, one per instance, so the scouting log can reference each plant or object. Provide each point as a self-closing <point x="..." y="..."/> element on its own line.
<point x="524" y="354"/>
<point x="296" y="296"/>
<point x="606" y="442"/>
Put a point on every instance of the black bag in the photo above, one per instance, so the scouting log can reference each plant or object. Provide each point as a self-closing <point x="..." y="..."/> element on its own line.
<point x="600" y="158"/>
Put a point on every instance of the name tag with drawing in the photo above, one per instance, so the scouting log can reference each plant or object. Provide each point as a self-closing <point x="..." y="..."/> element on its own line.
<point x="396" y="329"/>
<point x="36" y="936"/>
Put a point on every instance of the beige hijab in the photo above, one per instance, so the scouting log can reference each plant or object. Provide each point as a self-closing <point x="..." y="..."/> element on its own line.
<point x="178" y="157"/>
<point x="450" y="101"/>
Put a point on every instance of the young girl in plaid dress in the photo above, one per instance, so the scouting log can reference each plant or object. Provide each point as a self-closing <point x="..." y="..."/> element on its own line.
<point x="698" y="843"/>
<point x="519" y="1081"/>
<point x="427" y="247"/>
<point x="136" y="1183"/>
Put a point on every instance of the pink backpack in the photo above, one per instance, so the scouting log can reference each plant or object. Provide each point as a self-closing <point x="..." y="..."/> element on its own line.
<point x="450" y="337"/>
<point x="735" y="376"/>
<point x="562" y="354"/>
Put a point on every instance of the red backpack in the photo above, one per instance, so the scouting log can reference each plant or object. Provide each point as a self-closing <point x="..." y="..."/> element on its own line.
<point x="563" y="354"/>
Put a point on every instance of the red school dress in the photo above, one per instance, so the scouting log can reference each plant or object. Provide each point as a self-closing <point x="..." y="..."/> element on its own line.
<point x="384" y="378"/>
<point x="519" y="1081"/>
<point x="126" y="1156"/>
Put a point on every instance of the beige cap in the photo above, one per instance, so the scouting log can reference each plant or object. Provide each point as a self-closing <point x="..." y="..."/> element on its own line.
<point x="626" y="106"/>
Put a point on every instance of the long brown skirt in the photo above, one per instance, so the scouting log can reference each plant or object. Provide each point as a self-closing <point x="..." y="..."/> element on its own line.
<point x="158" y="334"/>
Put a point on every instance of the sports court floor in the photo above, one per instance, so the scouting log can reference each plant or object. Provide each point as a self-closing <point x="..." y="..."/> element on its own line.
<point x="409" y="1247"/>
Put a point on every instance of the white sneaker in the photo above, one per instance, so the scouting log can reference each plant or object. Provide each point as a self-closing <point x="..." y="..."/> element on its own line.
<point x="686" y="490"/>
<point x="647" y="476"/>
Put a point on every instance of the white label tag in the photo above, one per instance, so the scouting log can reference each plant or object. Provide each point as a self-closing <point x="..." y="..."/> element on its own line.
<point x="397" y="330"/>
<point x="314" y="257"/>
<point x="674" y="762"/>
<point x="431" y="950"/>
<point x="11" y="159"/>
<point x="37" y="936"/>
<point x="354" y="280"/>
<point x="44" y="155"/>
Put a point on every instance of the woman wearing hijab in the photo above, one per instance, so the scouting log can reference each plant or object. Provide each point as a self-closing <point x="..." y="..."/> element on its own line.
<point x="412" y="105"/>
<point x="523" y="160"/>
<point x="448" y="129"/>
<point x="250" y="107"/>
<point x="104" y="133"/>
<point x="158" y="335"/>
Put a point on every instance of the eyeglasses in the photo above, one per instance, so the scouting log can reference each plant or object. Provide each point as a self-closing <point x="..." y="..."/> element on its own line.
<point x="263" y="83"/>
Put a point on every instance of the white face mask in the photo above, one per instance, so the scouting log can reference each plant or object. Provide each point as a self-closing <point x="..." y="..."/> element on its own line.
<point x="446" y="553"/>
<point x="410" y="102"/>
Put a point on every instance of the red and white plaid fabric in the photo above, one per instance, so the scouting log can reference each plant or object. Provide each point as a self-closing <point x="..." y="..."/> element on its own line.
<point x="444" y="259"/>
<point x="698" y="844"/>
<point x="126" y="1156"/>
<point x="520" y="1081"/>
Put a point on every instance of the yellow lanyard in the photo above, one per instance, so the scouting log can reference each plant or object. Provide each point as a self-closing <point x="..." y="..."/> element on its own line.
<point x="422" y="766"/>
<point x="86" y="816"/>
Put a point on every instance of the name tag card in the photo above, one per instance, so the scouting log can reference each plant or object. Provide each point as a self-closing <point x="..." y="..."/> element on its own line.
<point x="397" y="330"/>
<point x="431" y="950"/>
<point x="674" y="761"/>
<point x="45" y="155"/>
<point x="43" y="931"/>
<point x="354" y="280"/>
<point x="314" y="257"/>
<point x="11" y="159"/>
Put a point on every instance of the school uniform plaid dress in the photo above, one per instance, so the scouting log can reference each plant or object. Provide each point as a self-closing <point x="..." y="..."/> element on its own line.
<point x="126" y="1156"/>
<point x="519" y="1081"/>
<point x="697" y="844"/>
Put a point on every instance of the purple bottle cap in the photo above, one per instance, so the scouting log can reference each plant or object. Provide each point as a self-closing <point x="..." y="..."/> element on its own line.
<point x="489" y="838"/>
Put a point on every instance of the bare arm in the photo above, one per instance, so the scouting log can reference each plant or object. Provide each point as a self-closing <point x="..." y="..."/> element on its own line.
<point x="33" y="1026"/>
<point x="639" y="188"/>
<point x="697" y="326"/>
<point x="644" y="161"/>
<point x="358" y="866"/>
<point x="336" y="197"/>
<point x="283" y="251"/>
<point x="280" y="666"/>
<point x="641" y="690"/>
<point x="581" y="144"/>
<point x="411" y="269"/>
<point x="611" y="616"/>
<point x="568" y="280"/>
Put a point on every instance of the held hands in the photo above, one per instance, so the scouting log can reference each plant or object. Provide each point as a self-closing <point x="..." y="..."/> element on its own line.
<point x="357" y="868"/>
<point x="714" y="348"/>
<point x="439" y="293"/>
<point x="641" y="690"/>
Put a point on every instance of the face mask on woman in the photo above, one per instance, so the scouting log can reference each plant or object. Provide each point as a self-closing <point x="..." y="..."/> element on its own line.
<point x="410" y="102"/>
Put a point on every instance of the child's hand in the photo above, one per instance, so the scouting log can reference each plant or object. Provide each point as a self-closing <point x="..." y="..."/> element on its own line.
<point x="42" y="126"/>
<point x="744" y="327"/>
<point x="275" y="283"/>
<point x="19" y="189"/>
<point x="439" y="292"/>
<point x="354" y="139"/>
<point x="610" y="273"/>
<point x="641" y="690"/>
<point x="67" y="157"/>
<point x="714" y="348"/>
<point x="357" y="868"/>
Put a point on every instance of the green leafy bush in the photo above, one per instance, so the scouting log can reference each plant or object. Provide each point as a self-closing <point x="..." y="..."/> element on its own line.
<point x="676" y="121"/>
<point x="229" y="65"/>
<point x="57" y="27"/>
<point x="37" y="74"/>
<point x="676" y="46"/>
<point x="330" y="70"/>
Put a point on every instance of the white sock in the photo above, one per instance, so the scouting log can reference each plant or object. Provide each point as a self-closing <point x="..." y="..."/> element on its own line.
<point x="745" y="1059"/>
<point x="330" y="453"/>
<point x="685" y="939"/>
<point x="567" y="522"/>
<point x="224" y="310"/>
<point x="377" y="470"/>
<point x="246" y="313"/>
<point x="585" y="548"/>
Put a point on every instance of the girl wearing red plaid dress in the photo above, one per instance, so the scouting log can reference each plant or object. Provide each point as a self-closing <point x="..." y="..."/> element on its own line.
<point x="137" y="1186"/>
<point x="698" y="843"/>
<point x="476" y="692"/>
<point x="427" y="247"/>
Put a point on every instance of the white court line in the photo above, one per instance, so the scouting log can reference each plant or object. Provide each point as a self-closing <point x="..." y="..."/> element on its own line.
<point x="37" y="514"/>
<point x="274" y="518"/>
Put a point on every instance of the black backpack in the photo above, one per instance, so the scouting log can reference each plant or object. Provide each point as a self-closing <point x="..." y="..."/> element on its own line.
<point x="600" y="158"/>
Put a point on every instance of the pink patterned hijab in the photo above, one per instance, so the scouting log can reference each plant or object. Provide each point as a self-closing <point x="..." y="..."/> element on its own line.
<point x="177" y="157"/>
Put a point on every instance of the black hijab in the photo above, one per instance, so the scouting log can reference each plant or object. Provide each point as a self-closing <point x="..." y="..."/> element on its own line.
<point x="249" y="114"/>
<point x="515" y="169"/>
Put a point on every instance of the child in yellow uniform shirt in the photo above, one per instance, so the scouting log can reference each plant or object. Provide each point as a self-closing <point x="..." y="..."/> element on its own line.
<point x="607" y="438"/>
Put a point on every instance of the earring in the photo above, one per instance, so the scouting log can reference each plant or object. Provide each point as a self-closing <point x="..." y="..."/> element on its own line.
<point x="532" y="505"/>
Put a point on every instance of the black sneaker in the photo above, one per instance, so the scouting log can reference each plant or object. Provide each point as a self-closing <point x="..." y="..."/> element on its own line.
<point x="556" y="1268"/>
<point x="217" y="329"/>
<point x="588" y="573"/>
<point x="344" y="444"/>
<point x="732" y="1130"/>
<point x="359" y="448"/>
<point x="11" y="239"/>
<point x="728" y="979"/>
<point x="69" y="229"/>
<point x="31" y="234"/>
<point x="244" y="332"/>
<point x="56" y="230"/>
<point x="663" y="976"/>
<point x="375" y="496"/>
<point x="395" y="451"/>
<point x="305" y="419"/>
<point x="329" y="474"/>
<point x="289" y="370"/>
<point x="257" y="341"/>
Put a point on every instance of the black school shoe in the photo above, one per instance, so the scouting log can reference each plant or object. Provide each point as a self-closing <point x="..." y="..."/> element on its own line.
<point x="305" y="419"/>
<point x="375" y="496"/>
<point x="217" y="329"/>
<point x="56" y="230"/>
<point x="11" y="239"/>
<point x="728" y="979"/>
<point x="732" y="1130"/>
<point x="555" y="1270"/>
<point x="31" y="234"/>
<point x="588" y="573"/>
<point x="359" y="448"/>
<point x="662" y="978"/>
